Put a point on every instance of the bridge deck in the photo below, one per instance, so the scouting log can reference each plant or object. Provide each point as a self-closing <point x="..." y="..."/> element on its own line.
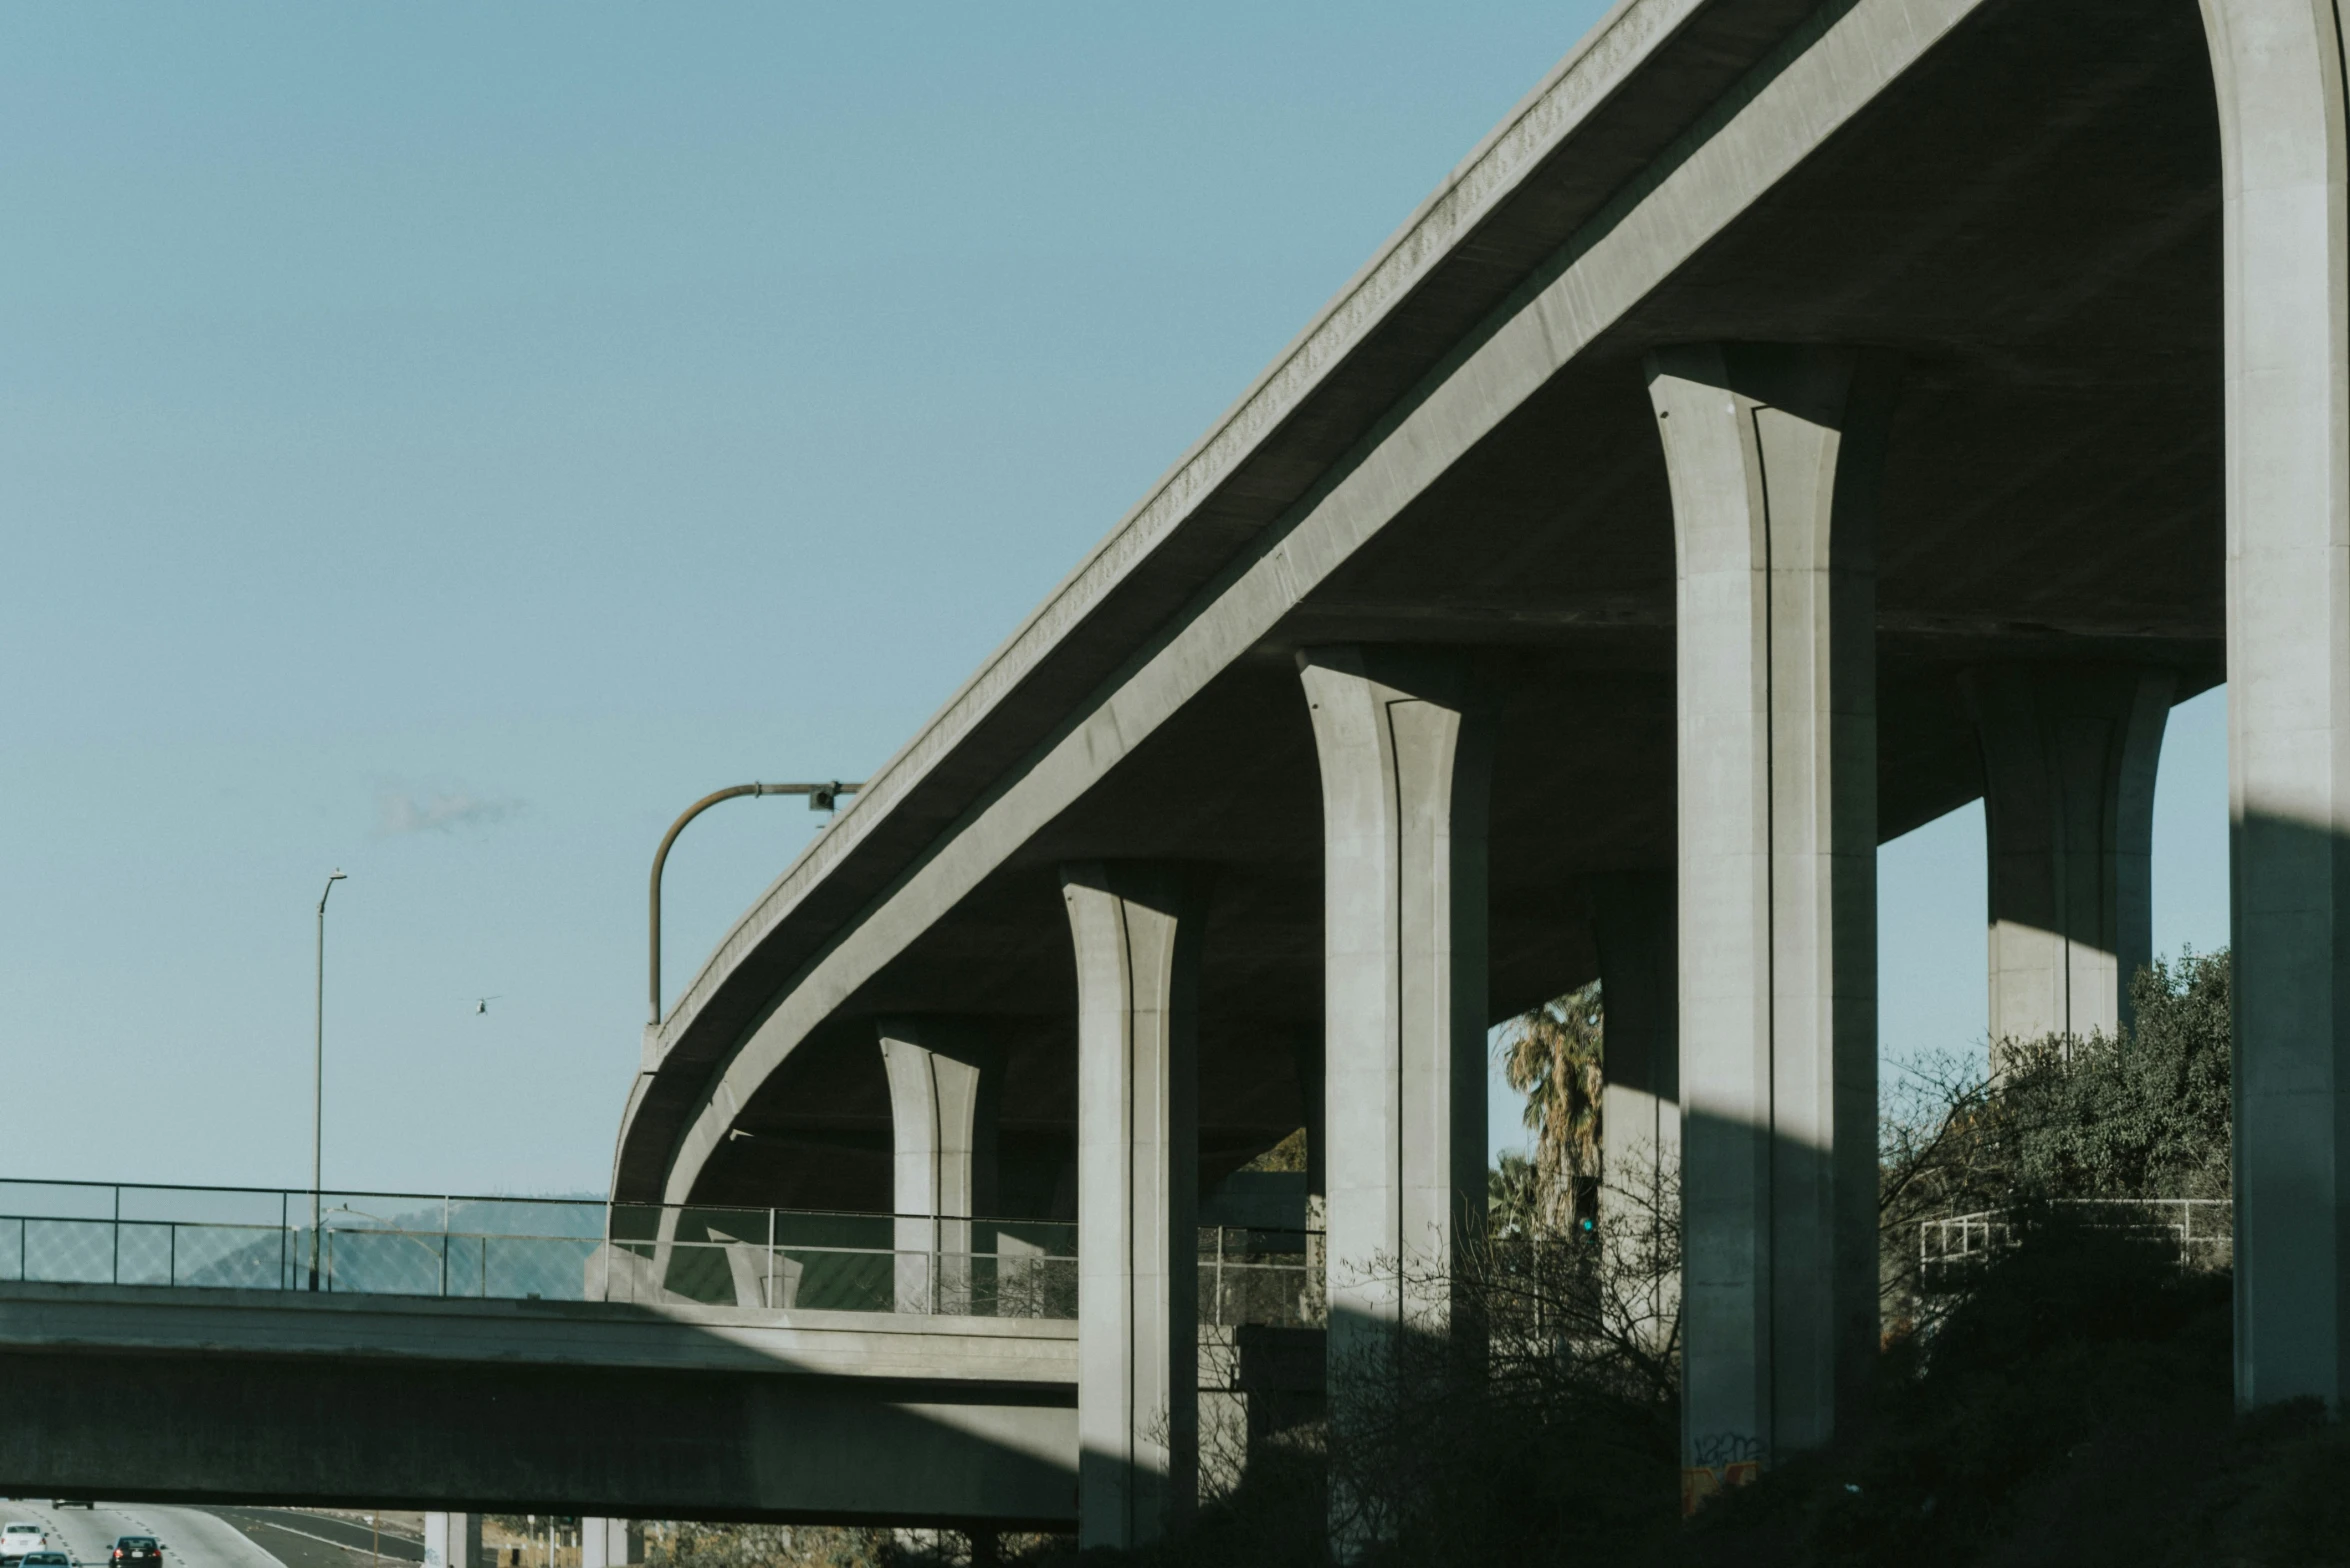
<point x="559" y="1406"/>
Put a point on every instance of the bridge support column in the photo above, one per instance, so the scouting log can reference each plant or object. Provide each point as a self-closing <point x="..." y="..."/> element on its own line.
<point x="2069" y="757"/>
<point x="453" y="1541"/>
<point x="944" y="1081"/>
<point x="1640" y="1109"/>
<point x="1405" y="742"/>
<point x="1136" y="929"/>
<point x="2283" y="171"/>
<point x="1773" y="455"/>
<point x="609" y="1543"/>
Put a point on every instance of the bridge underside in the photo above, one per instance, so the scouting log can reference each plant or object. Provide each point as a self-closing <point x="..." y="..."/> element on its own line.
<point x="563" y="1408"/>
<point x="2030" y="217"/>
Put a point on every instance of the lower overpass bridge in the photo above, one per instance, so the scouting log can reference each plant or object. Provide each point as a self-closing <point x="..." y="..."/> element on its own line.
<point x="179" y="1344"/>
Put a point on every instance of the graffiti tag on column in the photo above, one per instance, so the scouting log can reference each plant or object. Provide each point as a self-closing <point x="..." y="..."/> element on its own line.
<point x="1724" y="1460"/>
<point x="1727" y="1448"/>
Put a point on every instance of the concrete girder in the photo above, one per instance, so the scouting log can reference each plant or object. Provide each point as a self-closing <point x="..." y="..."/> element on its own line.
<point x="1775" y="457"/>
<point x="1136" y="930"/>
<point x="1764" y="128"/>
<point x="2285" y="166"/>
<point x="2069" y="756"/>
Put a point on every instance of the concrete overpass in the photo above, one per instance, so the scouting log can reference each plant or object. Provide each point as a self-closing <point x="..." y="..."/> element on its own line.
<point x="457" y="1355"/>
<point x="592" y="1408"/>
<point x="1794" y="421"/>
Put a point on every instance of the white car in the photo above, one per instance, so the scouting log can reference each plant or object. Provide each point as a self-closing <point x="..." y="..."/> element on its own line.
<point x="18" y="1539"/>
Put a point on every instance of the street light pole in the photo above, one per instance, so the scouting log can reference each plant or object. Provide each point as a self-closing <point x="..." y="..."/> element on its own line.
<point x="821" y="797"/>
<point x="318" y="1076"/>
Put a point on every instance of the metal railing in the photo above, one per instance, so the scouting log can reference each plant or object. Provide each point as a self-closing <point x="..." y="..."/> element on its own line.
<point x="1260" y="1276"/>
<point x="553" y="1249"/>
<point x="2202" y="1229"/>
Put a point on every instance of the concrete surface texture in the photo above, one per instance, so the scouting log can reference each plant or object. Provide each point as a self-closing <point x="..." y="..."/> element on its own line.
<point x="1405" y="743"/>
<point x="943" y="1087"/>
<point x="1776" y="460"/>
<point x="2283" y="166"/>
<point x="2069" y="754"/>
<point x="610" y="1543"/>
<point x="1135" y="928"/>
<point x="454" y="1541"/>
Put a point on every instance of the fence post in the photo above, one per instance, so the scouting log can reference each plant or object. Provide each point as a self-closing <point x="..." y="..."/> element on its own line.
<point x="118" y="1235"/>
<point x="1218" y="1319"/>
<point x="770" y="1300"/>
<point x="171" y="1255"/>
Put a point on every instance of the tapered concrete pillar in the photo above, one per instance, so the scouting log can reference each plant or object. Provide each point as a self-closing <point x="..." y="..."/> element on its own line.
<point x="453" y="1541"/>
<point x="2069" y="755"/>
<point x="1405" y="742"/>
<point x="1137" y="933"/>
<point x="609" y="1543"/>
<point x="944" y="1081"/>
<point x="1640" y="1108"/>
<point x="1774" y="456"/>
<point x="2283" y="166"/>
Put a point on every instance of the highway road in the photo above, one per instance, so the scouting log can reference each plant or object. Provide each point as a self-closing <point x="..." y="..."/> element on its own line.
<point x="218" y="1537"/>
<point x="191" y="1537"/>
<point x="305" y="1540"/>
<point x="313" y="1540"/>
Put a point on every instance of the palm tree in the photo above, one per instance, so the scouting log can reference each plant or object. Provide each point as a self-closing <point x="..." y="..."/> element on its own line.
<point x="1552" y="1056"/>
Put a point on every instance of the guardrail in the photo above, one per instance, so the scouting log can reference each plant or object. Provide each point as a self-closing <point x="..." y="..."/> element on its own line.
<point x="553" y="1249"/>
<point x="2203" y="1230"/>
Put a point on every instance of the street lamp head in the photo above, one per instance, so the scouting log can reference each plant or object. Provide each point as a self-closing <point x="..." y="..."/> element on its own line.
<point x="330" y="887"/>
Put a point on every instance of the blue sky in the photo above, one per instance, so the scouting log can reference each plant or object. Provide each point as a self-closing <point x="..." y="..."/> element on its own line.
<point x="442" y="441"/>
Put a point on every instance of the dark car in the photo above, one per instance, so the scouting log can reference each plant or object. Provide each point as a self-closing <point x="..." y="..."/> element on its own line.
<point x="137" y="1551"/>
<point x="44" y="1560"/>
